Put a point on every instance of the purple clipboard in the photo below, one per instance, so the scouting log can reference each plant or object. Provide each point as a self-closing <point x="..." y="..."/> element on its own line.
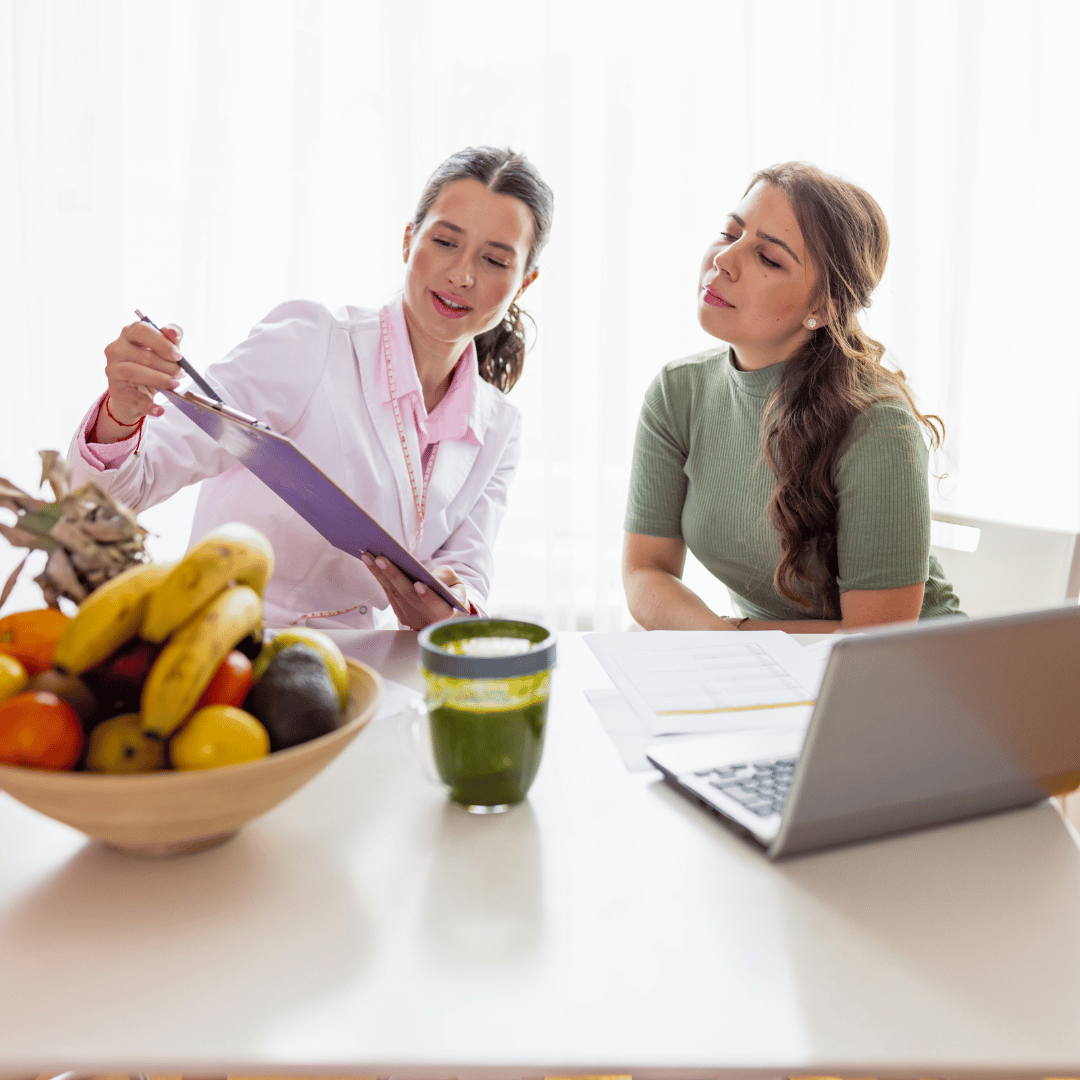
<point x="277" y="462"/>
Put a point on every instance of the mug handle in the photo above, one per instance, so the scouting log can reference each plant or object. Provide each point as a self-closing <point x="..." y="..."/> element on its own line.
<point x="416" y="736"/>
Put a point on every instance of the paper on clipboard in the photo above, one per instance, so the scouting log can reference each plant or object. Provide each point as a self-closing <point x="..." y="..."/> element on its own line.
<point x="280" y="465"/>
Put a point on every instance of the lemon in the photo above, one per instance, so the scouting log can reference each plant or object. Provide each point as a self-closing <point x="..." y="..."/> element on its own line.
<point x="218" y="735"/>
<point x="322" y="643"/>
<point x="12" y="677"/>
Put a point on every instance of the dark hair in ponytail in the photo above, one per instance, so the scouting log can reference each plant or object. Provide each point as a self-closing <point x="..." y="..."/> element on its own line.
<point x="834" y="379"/>
<point x="500" y="351"/>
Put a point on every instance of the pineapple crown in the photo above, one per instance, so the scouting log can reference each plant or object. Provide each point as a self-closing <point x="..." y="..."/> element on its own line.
<point x="89" y="537"/>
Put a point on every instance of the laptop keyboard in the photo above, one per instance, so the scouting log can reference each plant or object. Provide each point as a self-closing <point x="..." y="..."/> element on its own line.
<point x="761" y="786"/>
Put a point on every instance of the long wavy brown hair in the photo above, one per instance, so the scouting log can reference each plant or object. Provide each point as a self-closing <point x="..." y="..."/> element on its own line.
<point x="833" y="380"/>
<point x="500" y="351"/>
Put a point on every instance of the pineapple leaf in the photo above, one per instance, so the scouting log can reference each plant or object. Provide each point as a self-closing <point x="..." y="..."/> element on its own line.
<point x="40" y="521"/>
<point x="10" y="583"/>
<point x="24" y="538"/>
<point x="14" y="498"/>
<point x="55" y="469"/>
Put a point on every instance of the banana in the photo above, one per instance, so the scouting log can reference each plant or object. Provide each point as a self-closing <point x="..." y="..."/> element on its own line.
<point x="183" y="668"/>
<point x="233" y="553"/>
<point x="108" y="617"/>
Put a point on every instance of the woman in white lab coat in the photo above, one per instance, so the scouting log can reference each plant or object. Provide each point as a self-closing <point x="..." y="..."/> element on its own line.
<point x="402" y="407"/>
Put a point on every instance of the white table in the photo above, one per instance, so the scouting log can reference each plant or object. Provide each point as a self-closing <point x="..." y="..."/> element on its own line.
<point x="605" y="926"/>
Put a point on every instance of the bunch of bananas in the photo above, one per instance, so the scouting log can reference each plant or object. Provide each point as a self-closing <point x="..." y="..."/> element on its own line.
<point x="199" y="607"/>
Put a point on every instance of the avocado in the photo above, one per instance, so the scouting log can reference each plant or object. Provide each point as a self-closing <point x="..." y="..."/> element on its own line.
<point x="294" y="698"/>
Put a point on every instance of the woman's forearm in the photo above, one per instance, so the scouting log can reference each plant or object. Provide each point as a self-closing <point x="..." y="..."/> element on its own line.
<point x="859" y="608"/>
<point x="660" y="601"/>
<point x="794" y="626"/>
<point x="107" y="430"/>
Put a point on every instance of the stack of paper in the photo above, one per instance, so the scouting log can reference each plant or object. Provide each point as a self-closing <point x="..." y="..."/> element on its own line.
<point x="672" y="683"/>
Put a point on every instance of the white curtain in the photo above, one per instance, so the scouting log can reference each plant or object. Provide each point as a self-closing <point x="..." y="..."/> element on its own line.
<point x="205" y="159"/>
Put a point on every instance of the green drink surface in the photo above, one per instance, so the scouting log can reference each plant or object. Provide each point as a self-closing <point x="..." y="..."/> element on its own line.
<point x="490" y="757"/>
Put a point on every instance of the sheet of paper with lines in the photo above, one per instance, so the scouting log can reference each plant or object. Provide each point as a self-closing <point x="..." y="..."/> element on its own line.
<point x="705" y="680"/>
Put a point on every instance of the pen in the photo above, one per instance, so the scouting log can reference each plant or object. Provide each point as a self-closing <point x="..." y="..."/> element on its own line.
<point x="200" y="382"/>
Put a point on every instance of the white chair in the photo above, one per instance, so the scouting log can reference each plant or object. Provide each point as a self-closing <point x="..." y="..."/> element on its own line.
<point x="996" y="567"/>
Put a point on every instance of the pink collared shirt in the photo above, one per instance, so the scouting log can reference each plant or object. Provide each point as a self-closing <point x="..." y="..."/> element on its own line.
<point x="450" y="419"/>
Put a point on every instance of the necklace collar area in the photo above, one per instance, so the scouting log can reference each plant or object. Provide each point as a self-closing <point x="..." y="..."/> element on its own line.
<point x="419" y="492"/>
<point x="456" y="415"/>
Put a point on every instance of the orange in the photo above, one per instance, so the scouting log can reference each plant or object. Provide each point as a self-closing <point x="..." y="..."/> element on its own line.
<point x="39" y="730"/>
<point x="30" y="636"/>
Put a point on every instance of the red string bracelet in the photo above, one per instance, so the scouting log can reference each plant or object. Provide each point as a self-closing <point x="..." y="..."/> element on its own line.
<point x="137" y="427"/>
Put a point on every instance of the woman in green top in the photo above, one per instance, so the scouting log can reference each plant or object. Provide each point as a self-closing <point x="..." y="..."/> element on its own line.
<point x="790" y="462"/>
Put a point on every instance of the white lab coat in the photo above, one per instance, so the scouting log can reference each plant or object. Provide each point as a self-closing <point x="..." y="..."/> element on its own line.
<point x="310" y="375"/>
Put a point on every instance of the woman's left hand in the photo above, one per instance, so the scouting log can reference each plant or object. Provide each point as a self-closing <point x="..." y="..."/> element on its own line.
<point x="415" y="605"/>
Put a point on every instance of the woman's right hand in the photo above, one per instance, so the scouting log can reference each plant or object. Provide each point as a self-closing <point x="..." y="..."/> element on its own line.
<point x="140" y="362"/>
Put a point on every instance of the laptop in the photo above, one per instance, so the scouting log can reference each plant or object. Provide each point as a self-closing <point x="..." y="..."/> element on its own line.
<point x="914" y="726"/>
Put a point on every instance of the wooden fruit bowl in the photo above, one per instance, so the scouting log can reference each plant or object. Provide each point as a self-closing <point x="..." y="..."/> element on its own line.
<point x="173" y="813"/>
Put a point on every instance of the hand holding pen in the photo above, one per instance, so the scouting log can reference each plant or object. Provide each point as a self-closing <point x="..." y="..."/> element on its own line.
<point x="139" y="363"/>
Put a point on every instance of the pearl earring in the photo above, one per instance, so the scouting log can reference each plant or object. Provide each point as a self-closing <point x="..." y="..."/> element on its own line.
<point x="811" y="323"/>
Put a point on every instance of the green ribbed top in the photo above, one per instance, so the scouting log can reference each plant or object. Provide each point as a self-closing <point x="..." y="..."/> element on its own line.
<point x="698" y="475"/>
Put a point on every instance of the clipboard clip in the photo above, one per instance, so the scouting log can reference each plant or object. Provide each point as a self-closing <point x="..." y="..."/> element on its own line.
<point x="225" y="410"/>
<point x="209" y="398"/>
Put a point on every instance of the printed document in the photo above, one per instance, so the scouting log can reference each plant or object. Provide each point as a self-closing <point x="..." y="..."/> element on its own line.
<point x="696" y="681"/>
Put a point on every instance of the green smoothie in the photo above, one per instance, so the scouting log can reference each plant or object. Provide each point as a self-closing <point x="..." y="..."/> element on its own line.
<point x="487" y="686"/>
<point x="488" y="758"/>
